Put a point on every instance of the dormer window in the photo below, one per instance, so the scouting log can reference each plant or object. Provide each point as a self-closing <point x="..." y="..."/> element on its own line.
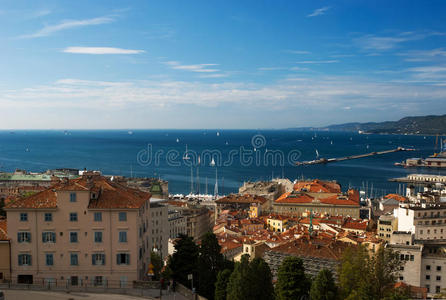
<point x="72" y="197"/>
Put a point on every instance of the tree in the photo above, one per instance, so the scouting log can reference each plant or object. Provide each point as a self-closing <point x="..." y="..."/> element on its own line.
<point x="157" y="262"/>
<point x="324" y="287"/>
<point x="250" y="280"/>
<point x="210" y="263"/>
<point x="369" y="276"/>
<point x="221" y="284"/>
<point x="184" y="261"/>
<point x="292" y="282"/>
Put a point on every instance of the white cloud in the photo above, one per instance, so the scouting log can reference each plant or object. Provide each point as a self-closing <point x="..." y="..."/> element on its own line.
<point x="382" y="43"/>
<point x="68" y="24"/>
<point x="319" y="12"/>
<point x="101" y="50"/>
<point x="297" y="51"/>
<point x="199" y="68"/>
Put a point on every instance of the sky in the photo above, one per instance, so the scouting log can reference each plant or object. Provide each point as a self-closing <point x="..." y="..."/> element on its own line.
<point x="219" y="64"/>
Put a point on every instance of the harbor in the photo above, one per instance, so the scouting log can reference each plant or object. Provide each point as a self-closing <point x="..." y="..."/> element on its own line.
<point x="350" y="157"/>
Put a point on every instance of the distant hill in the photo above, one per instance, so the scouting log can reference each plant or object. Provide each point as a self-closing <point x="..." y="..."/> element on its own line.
<point x="407" y="125"/>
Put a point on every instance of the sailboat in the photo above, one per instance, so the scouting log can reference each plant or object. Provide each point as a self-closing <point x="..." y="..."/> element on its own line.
<point x="212" y="164"/>
<point x="178" y="140"/>
<point x="218" y="133"/>
<point x="186" y="156"/>
<point x="317" y="154"/>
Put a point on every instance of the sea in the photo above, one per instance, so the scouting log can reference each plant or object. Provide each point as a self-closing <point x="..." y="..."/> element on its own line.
<point x="199" y="160"/>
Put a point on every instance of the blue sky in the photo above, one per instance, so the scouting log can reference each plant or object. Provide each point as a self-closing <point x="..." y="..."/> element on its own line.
<point x="219" y="64"/>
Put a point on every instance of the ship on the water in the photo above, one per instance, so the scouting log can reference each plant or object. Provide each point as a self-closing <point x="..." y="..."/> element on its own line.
<point x="437" y="160"/>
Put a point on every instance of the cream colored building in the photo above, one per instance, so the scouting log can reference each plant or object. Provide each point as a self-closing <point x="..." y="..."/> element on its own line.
<point x="277" y="223"/>
<point x="85" y="231"/>
<point x="5" y="259"/>
<point x="159" y="228"/>
<point x="387" y="224"/>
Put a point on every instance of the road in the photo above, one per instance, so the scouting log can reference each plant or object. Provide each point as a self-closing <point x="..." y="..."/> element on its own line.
<point x="37" y="295"/>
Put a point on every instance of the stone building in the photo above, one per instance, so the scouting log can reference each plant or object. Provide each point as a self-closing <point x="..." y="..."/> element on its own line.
<point x="159" y="227"/>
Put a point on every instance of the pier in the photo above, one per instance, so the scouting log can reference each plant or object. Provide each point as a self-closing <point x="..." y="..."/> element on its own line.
<point x="337" y="159"/>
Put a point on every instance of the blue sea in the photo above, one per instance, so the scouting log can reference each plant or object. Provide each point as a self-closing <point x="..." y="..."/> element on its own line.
<point x="239" y="155"/>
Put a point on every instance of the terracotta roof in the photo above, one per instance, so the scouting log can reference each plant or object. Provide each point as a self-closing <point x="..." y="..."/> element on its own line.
<point x="397" y="197"/>
<point x="245" y="199"/>
<point x="318" y="186"/>
<point x="3" y="230"/>
<point x="110" y="194"/>
<point x="314" y="247"/>
<point x="351" y="198"/>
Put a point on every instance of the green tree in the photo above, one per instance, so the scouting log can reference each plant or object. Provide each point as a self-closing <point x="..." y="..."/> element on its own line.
<point x="323" y="286"/>
<point x="210" y="263"/>
<point x="157" y="262"/>
<point x="221" y="284"/>
<point x="292" y="282"/>
<point x="250" y="280"/>
<point x="369" y="276"/>
<point x="184" y="261"/>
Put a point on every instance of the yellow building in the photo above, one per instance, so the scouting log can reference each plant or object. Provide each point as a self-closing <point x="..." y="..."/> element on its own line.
<point x="277" y="223"/>
<point x="387" y="224"/>
<point x="255" y="210"/>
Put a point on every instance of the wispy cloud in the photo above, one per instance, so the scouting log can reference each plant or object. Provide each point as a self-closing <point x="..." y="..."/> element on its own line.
<point x="424" y="55"/>
<point x="101" y="50"/>
<point x="372" y="42"/>
<point x="270" y="68"/>
<point x="318" y="61"/>
<point x="199" y="68"/>
<point x="319" y="12"/>
<point x="68" y="24"/>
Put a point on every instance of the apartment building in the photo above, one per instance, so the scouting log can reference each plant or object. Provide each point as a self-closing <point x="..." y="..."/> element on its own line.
<point x="177" y="223"/>
<point x="5" y="250"/>
<point x="159" y="228"/>
<point x="387" y="224"/>
<point x="85" y="231"/>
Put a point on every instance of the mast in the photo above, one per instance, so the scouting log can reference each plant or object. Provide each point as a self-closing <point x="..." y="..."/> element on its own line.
<point x="191" y="180"/>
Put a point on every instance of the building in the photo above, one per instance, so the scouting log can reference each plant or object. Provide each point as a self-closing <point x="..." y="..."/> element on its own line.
<point x="5" y="250"/>
<point x="277" y="223"/>
<point x="387" y="224"/>
<point x="85" y="231"/>
<point x="270" y="190"/>
<point x="245" y="201"/>
<point x="318" y="200"/>
<point x="159" y="227"/>
<point x="199" y="221"/>
<point x="177" y="223"/>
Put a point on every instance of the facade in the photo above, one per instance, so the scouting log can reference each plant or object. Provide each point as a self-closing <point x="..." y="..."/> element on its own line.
<point x="159" y="228"/>
<point x="245" y="201"/>
<point x="277" y="223"/>
<point x="299" y="202"/>
<point x="5" y="250"/>
<point x="85" y="231"/>
<point x="177" y="223"/>
<point x="198" y="222"/>
<point x="387" y="224"/>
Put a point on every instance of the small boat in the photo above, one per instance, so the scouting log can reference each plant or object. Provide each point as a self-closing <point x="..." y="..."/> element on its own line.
<point x="130" y="132"/>
<point x="212" y="164"/>
<point x="186" y="156"/>
<point x="218" y="133"/>
<point x="178" y="140"/>
<point x="331" y="143"/>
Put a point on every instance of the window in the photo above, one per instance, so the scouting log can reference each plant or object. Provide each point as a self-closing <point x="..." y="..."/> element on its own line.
<point x="72" y="197"/>
<point x="49" y="259"/>
<point x="48" y="237"/>
<point x="438" y="278"/>
<point x="73" y="237"/>
<point x="73" y="217"/>
<point x="98" y="259"/>
<point x="437" y="289"/>
<point x="411" y="257"/>
<point x="24" y="237"/>
<point x="123" y="259"/>
<point x="98" y="217"/>
<point x="123" y="236"/>
<point x="428" y="288"/>
<point x="48" y="217"/>
<point x="438" y="268"/>
<point x="98" y="280"/>
<point x="24" y="217"/>
<point x="24" y="260"/>
<point x="428" y="277"/>
<point x="428" y="267"/>
<point x="401" y="278"/>
<point x="74" y="259"/>
<point x="123" y="216"/>
<point x="98" y="236"/>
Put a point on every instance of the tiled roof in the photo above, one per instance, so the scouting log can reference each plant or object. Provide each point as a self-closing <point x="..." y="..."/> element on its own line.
<point x="245" y="199"/>
<point x="318" y="186"/>
<point x="3" y="230"/>
<point x="352" y="198"/>
<point x="397" y="197"/>
<point x="110" y="194"/>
